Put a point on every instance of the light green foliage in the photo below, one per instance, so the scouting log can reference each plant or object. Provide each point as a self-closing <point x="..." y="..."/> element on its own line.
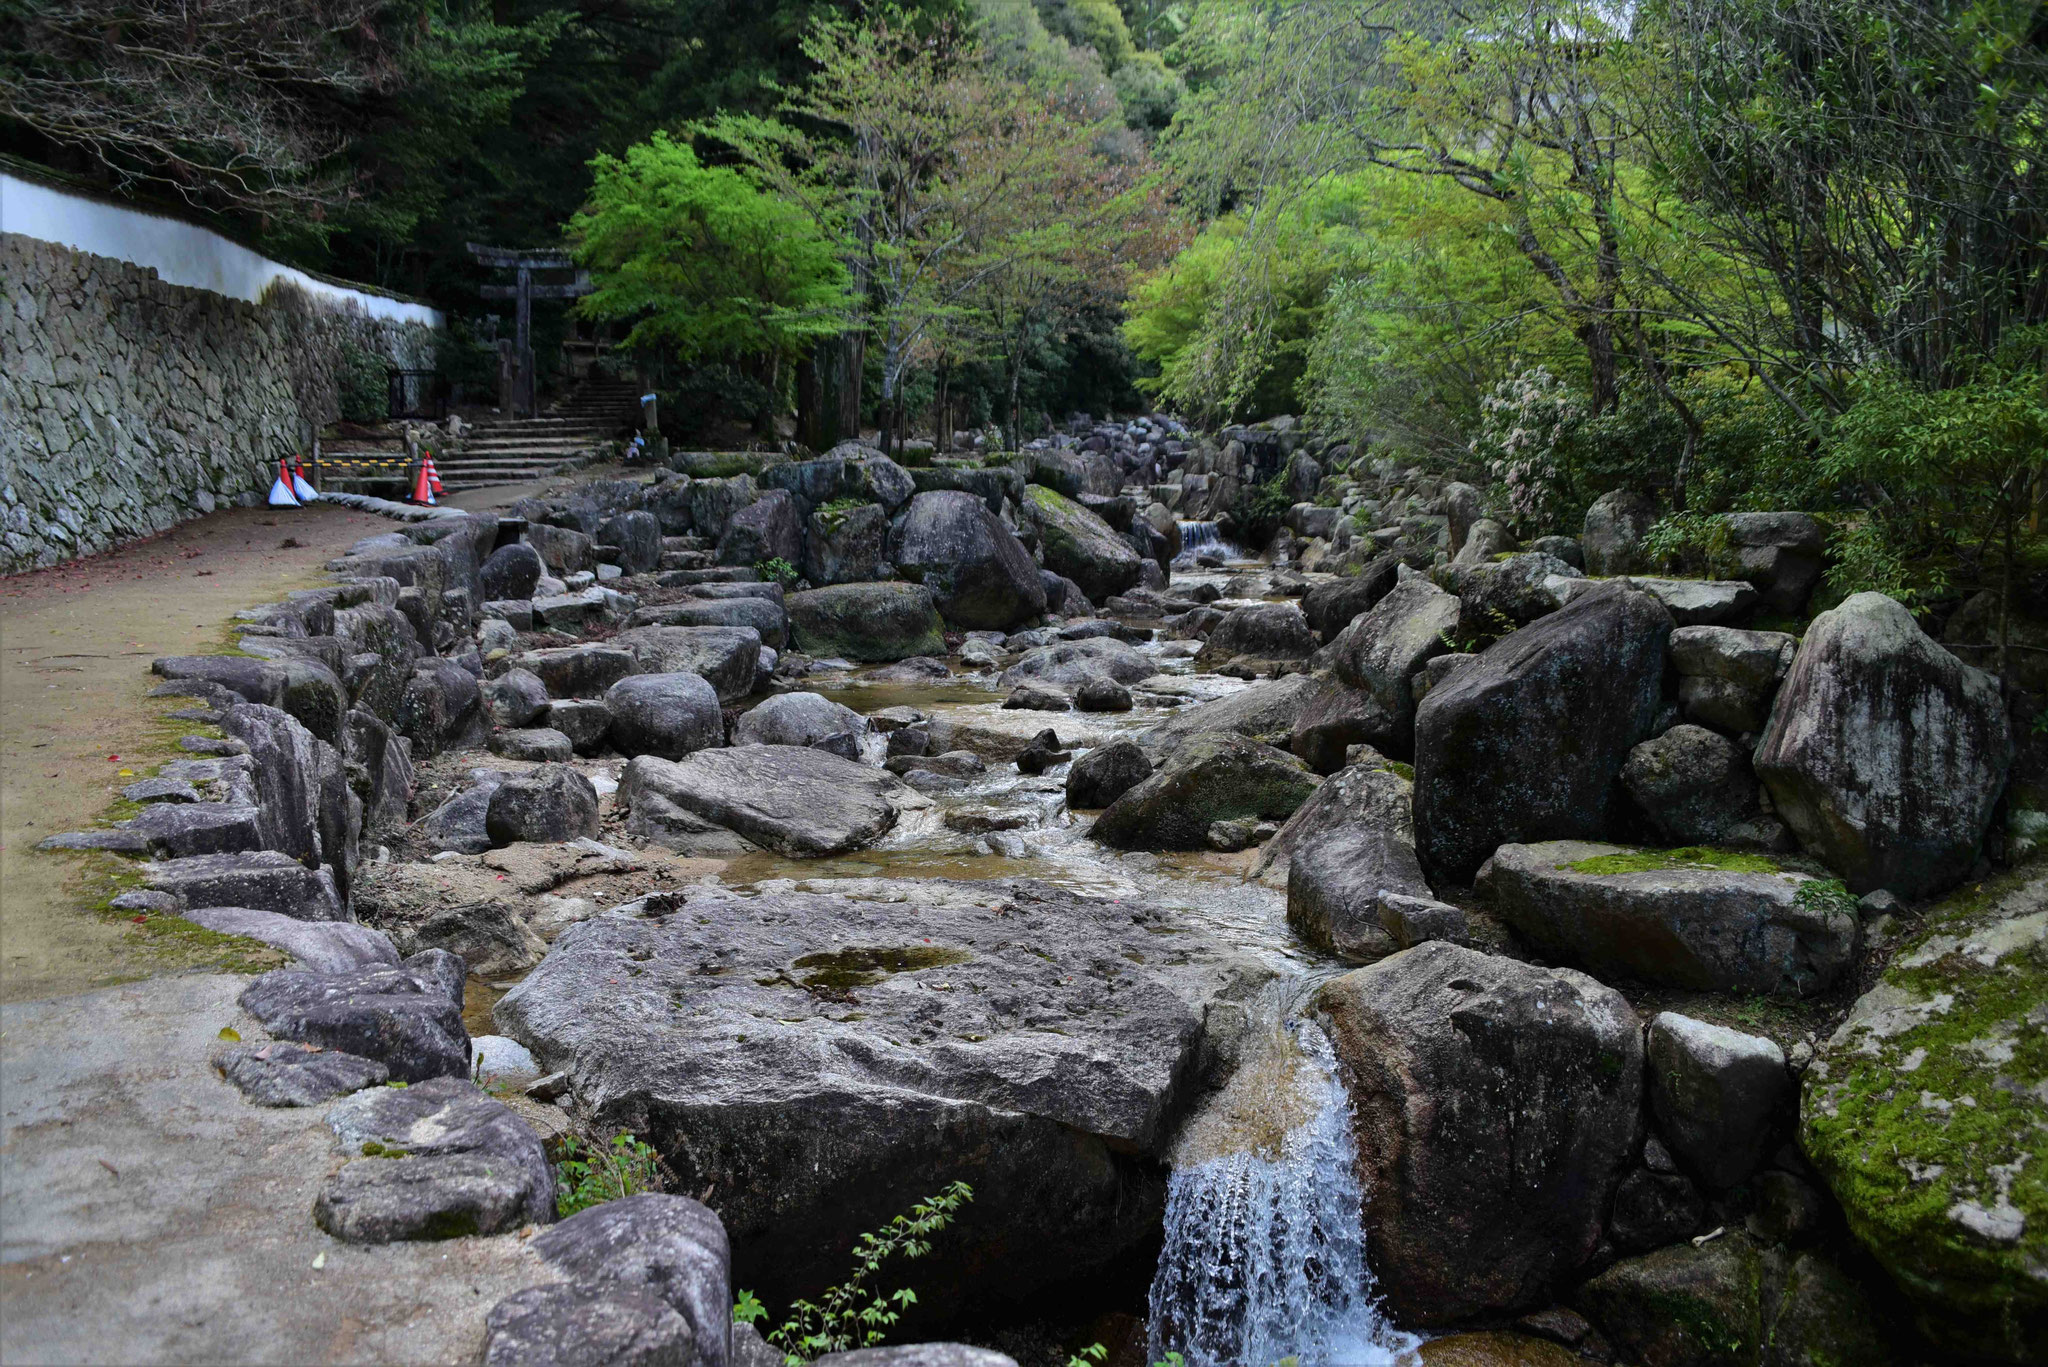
<point x="1827" y="895"/>
<point x="365" y="390"/>
<point x="1098" y="24"/>
<point x="587" y="1175"/>
<point x="855" y="1314"/>
<point x="702" y="262"/>
<point x="777" y="570"/>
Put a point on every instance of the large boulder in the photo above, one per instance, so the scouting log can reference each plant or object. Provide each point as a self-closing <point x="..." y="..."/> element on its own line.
<point x="1376" y="658"/>
<point x="1264" y="631"/>
<point x="1106" y="773"/>
<point x="266" y="880"/>
<point x="727" y="658"/>
<point x="1072" y="663"/>
<point x="797" y="801"/>
<point x="1727" y="677"/>
<point x="458" y="823"/>
<point x="769" y="528"/>
<point x="1683" y="918"/>
<point x="1885" y="754"/>
<point x="1080" y="545"/>
<point x="406" y="1016"/>
<point x="1781" y="554"/>
<point x="849" y="546"/>
<point x="1497" y="1106"/>
<point x="801" y="719"/>
<point x="1526" y="742"/>
<point x="512" y="571"/>
<point x="1616" y="524"/>
<point x="1721" y="1098"/>
<point x="1693" y="785"/>
<point x="667" y="715"/>
<point x="883" y="621"/>
<point x="515" y="698"/>
<point x="1265" y="712"/>
<point x="1734" y="1301"/>
<point x="1348" y="844"/>
<point x="714" y="501"/>
<point x="442" y="707"/>
<point x="1925" y="1113"/>
<point x="637" y="535"/>
<point x="1216" y="778"/>
<point x="848" y="472"/>
<point x="1333" y="605"/>
<point x="546" y="806"/>
<point x="820" y="1062"/>
<point x="584" y="671"/>
<point x="435" y="1160"/>
<point x="1496" y="596"/>
<point x="979" y="574"/>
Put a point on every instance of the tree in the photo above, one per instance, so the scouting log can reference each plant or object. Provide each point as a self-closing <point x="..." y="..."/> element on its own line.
<point x="702" y="262"/>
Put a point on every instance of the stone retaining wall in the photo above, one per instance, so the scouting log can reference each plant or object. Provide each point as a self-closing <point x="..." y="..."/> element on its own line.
<point x="128" y="404"/>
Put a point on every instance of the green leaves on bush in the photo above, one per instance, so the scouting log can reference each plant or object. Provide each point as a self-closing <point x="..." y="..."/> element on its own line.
<point x="586" y="1175"/>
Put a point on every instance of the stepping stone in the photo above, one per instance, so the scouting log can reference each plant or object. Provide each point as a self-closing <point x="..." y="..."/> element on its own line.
<point x="285" y="1074"/>
<point x="322" y="946"/>
<point x="263" y="879"/>
<point x="403" y="1016"/>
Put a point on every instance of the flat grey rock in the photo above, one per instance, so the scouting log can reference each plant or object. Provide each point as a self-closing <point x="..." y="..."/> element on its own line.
<point x="322" y="946"/>
<point x="283" y="1073"/>
<point x="263" y="879"/>
<point x="669" y="1246"/>
<point x="796" y="800"/>
<point x="401" y="1015"/>
<point x="570" y="1324"/>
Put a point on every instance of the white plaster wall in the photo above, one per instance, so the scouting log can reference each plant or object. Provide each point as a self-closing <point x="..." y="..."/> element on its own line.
<point x="181" y="253"/>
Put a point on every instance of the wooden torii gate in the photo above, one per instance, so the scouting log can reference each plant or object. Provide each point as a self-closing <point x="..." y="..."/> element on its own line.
<point x="525" y="290"/>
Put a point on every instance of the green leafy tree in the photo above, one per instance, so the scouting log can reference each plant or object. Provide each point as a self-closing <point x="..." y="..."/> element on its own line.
<point x="701" y="262"/>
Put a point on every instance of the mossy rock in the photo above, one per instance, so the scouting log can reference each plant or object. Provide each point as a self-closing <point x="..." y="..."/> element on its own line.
<point x="1081" y="546"/>
<point x="1927" y="1114"/>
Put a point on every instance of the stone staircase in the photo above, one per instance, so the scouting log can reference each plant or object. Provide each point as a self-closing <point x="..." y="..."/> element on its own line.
<point x="514" y="450"/>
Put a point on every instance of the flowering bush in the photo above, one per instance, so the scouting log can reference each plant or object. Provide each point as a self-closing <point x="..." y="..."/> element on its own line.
<point x="1525" y="424"/>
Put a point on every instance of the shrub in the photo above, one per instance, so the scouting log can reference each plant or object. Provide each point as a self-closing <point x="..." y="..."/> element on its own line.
<point x="363" y="389"/>
<point x="586" y="1175"/>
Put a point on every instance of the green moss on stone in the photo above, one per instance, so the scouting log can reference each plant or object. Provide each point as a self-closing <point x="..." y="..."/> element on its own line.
<point x="1687" y="857"/>
<point x="868" y="965"/>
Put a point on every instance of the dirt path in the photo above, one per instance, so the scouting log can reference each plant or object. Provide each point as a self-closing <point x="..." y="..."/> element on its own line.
<point x="75" y="647"/>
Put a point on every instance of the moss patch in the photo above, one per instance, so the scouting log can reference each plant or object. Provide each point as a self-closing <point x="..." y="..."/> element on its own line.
<point x="1687" y="857"/>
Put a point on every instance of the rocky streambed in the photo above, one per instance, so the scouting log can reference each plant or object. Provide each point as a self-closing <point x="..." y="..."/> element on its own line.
<point x="1283" y="980"/>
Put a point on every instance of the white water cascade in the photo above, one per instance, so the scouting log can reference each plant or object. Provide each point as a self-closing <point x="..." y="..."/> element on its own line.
<point x="1264" y="1260"/>
<point x="1198" y="537"/>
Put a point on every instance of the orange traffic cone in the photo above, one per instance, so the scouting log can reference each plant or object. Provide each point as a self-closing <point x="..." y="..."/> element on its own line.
<point x="423" y="488"/>
<point x="433" y="475"/>
<point x="301" y="486"/>
<point x="281" y="495"/>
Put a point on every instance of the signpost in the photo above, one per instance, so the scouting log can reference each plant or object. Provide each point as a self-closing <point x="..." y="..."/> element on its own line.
<point x="524" y="265"/>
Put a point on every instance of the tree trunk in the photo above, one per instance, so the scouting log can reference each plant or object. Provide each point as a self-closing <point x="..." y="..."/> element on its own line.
<point x="942" y="414"/>
<point x="853" y="358"/>
<point x="810" y="403"/>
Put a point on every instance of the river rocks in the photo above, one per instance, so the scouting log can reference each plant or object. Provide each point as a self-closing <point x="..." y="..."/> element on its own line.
<point x="584" y="671"/>
<point x="766" y="616"/>
<point x="265" y="880"/>
<point x="669" y="1248"/>
<point x="1497" y="1107"/>
<point x="1033" y="697"/>
<point x="1719" y="1096"/>
<point x="1350" y="843"/>
<point x="515" y="698"/>
<point x="1924" y="1114"/>
<point x="1081" y="546"/>
<point x="1884" y="753"/>
<point x="637" y="535"/>
<point x="724" y="657"/>
<point x="1106" y="773"/>
<point x="1732" y="1301"/>
<point x="979" y="574"/>
<point x="1376" y="658"/>
<point x="458" y="823"/>
<point x="1266" y="712"/>
<point x="1614" y="530"/>
<point x="282" y="1073"/>
<point x="1333" y="605"/>
<point x="547" y="805"/>
<point x="1215" y="778"/>
<point x="1694" y="786"/>
<point x="1780" y="553"/>
<point x="802" y="719"/>
<point x="1685" y="919"/>
<point x="817" y="1080"/>
<point x="540" y="744"/>
<point x="511" y="571"/>
<point x="1103" y="695"/>
<point x="568" y="1324"/>
<point x="848" y="547"/>
<point x="867" y="622"/>
<point x="669" y="715"/>
<point x="562" y="549"/>
<point x="801" y="802"/>
<point x="1727" y="677"/>
<point x="769" y="528"/>
<point x="1526" y="741"/>
<point x="440" y="1160"/>
<point x="1072" y="663"/>
<point x="402" y="1016"/>
<point x="1264" y="631"/>
<point x="442" y="707"/>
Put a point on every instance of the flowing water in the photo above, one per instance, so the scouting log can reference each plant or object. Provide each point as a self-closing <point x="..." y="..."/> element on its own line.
<point x="1264" y="1260"/>
<point x="1202" y="538"/>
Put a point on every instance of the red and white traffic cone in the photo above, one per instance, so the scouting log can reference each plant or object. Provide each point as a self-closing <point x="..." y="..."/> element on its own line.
<point x="433" y="475"/>
<point x="281" y="494"/>
<point x="422" y="488"/>
<point x="301" y="486"/>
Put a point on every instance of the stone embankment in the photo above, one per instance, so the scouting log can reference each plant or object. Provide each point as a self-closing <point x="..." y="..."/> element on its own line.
<point x="1594" y="864"/>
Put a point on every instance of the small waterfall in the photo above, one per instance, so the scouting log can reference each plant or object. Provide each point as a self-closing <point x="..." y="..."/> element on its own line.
<point x="1198" y="537"/>
<point x="1264" y="1259"/>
